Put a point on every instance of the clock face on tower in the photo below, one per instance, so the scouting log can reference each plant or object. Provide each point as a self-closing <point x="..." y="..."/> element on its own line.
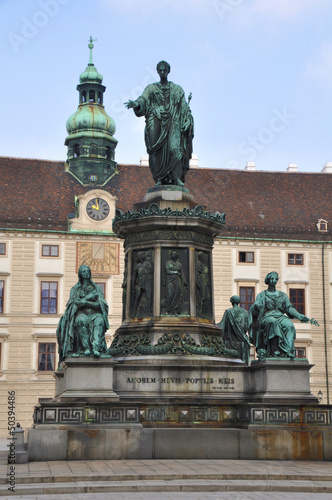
<point x="97" y="209"/>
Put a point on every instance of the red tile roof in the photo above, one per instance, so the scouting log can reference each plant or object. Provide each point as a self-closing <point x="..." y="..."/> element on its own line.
<point x="39" y="194"/>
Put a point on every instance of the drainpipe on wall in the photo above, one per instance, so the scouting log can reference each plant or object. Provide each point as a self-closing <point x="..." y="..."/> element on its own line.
<point x="325" y="332"/>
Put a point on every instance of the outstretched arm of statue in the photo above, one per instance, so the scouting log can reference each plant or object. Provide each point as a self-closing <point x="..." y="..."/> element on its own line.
<point x="312" y="321"/>
<point x="304" y="319"/>
<point x="131" y="104"/>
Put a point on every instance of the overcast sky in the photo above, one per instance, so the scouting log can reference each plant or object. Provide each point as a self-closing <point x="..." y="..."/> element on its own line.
<point x="260" y="73"/>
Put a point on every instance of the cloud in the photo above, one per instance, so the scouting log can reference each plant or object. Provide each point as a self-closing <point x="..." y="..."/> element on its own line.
<point x="321" y="67"/>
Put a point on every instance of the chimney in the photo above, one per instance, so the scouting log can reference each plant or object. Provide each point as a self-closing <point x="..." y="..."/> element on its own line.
<point x="250" y="166"/>
<point x="292" y="167"/>
<point x="144" y="161"/>
<point x="327" y="168"/>
<point x="193" y="162"/>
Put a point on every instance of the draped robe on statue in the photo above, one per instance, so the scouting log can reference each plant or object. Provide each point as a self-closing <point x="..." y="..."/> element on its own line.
<point x="72" y="338"/>
<point x="166" y="112"/>
<point x="234" y="324"/>
<point x="269" y="327"/>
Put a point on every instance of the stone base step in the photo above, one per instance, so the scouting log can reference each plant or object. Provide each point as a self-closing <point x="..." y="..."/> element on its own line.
<point x="168" y="485"/>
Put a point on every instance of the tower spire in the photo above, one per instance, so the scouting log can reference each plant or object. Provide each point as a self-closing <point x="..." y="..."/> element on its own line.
<point x="90" y="141"/>
<point x="91" y="40"/>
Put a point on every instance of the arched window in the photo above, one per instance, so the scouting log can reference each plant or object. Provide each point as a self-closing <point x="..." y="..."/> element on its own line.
<point x="100" y="100"/>
<point x="76" y="150"/>
<point x="93" y="149"/>
<point x="92" y="96"/>
<point x="108" y="153"/>
<point x="83" y="99"/>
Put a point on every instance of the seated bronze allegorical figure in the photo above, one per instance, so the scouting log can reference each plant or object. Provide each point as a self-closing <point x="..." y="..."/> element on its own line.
<point x="81" y="330"/>
<point x="271" y="330"/>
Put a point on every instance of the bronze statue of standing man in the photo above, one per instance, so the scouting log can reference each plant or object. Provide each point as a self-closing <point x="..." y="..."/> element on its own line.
<point x="169" y="128"/>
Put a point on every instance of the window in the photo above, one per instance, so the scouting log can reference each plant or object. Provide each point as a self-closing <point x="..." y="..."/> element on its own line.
<point x="76" y="151"/>
<point x="49" y="297"/>
<point x="296" y="296"/>
<point x="295" y="259"/>
<point x="46" y="357"/>
<point x="246" y="257"/>
<point x="247" y="296"/>
<point x="322" y="225"/>
<point x="2" y="290"/>
<point x="83" y="99"/>
<point x="300" y="352"/>
<point x="102" y="286"/>
<point x="50" y="250"/>
<point x="2" y="248"/>
<point x="108" y="153"/>
<point x="92" y="96"/>
<point x="99" y="98"/>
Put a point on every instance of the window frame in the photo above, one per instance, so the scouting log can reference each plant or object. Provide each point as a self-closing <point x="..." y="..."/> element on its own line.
<point x="297" y="303"/>
<point x="2" y="297"/>
<point x="246" y="261"/>
<point x="49" y="297"/>
<point x="46" y="353"/>
<point x="295" y="258"/>
<point x="297" y="348"/>
<point x="50" y="245"/>
<point x="247" y="302"/>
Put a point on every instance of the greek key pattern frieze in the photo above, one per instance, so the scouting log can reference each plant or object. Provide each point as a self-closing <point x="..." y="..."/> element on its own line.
<point x="183" y="415"/>
<point x="86" y="415"/>
<point x="317" y="417"/>
<point x="286" y="416"/>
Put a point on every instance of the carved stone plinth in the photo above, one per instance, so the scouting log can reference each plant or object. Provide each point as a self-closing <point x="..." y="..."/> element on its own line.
<point x="168" y="283"/>
<point x="85" y="379"/>
<point x="273" y="380"/>
<point x="181" y="407"/>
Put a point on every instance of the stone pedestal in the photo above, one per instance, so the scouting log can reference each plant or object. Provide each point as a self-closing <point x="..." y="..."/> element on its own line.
<point x="280" y="381"/>
<point x="172" y="388"/>
<point x="182" y="407"/>
<point x="85" y="379"/>
<point x="168" y="286"/>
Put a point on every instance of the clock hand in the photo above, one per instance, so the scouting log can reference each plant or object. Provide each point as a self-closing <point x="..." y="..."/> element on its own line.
<point x="96" y="206"/>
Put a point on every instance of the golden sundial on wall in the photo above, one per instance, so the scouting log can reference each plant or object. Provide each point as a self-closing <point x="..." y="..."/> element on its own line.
<point x="102" y="258"/>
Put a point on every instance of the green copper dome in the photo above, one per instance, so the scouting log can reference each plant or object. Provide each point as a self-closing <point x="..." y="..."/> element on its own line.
<point x="90" y="119"/>
<point x="90" y="141"/>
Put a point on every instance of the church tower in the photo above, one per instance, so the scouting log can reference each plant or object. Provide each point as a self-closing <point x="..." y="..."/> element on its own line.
<point x="90" y="141"/>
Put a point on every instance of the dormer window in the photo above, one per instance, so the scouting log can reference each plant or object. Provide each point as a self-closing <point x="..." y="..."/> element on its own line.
<point x="92" y="96"/>
<point x="322" y="225"/>
<point x="83" y="97"/>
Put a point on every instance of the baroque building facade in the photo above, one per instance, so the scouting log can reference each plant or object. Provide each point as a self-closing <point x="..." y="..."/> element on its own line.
<point x="56" y="216"/>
